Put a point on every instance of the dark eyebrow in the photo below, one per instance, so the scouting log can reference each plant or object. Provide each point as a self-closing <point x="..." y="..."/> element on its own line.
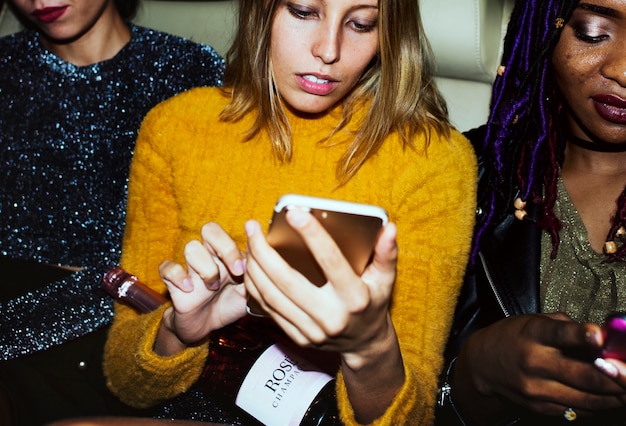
<point x="600" y="10"/>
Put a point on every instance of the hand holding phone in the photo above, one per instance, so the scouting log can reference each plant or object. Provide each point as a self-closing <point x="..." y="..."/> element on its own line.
<point x="354" y="227"/>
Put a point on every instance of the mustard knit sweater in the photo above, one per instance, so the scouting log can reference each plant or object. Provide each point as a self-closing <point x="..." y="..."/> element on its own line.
<point x="189" y="168"/>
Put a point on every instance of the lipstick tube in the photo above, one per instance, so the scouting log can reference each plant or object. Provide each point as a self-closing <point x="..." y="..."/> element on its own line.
<point x="127" y="289"/>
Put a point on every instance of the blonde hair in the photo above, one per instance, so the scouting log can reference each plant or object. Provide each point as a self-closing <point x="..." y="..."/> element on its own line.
<point x="397" y="88"/>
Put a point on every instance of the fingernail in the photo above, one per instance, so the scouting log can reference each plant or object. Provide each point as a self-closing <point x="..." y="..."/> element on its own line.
<point x="187" y="285"/>
<point x="606" y="367"/>
<point x="215" y="285"/>
<point x="250" y="227"/>
<point x="298" y="217"/>
<point x="239" y="268"/>
<point x="593" y="337"/>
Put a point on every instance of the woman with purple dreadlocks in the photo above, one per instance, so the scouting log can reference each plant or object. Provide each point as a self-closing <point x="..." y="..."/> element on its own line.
<point x="549" y="259"/>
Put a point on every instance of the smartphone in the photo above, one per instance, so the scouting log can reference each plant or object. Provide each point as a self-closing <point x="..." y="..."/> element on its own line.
<point x="355" y="227"/>
<point x="615" y="336"/>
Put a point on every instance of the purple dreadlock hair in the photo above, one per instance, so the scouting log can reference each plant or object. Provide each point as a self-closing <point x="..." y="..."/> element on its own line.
<point x="523" y="146"/>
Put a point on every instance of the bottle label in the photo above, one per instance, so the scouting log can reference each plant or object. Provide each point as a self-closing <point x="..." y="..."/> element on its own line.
<point x="280" y="387"/>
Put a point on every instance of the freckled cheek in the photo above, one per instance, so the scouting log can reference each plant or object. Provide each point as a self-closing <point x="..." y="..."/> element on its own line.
<point x="280" y="70"/>
<point x="357" y="59"/>
<point x="567" y="71"/>
<point x="291" y="49"/>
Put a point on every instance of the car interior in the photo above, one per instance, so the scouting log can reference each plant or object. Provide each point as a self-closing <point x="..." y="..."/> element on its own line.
<point x="465" y="35"/>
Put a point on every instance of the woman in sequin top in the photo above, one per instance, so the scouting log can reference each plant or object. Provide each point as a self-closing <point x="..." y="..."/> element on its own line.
<point x="549" y="261"/>
<point x="74" y="87"/>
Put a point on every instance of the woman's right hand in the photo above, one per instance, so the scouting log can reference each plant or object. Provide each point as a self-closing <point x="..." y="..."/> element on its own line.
<point x="530" y="361"/>
<point x="206" y="295"/>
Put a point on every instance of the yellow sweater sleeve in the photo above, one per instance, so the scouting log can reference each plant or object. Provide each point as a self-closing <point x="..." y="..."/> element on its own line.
<point x="152" y="378"/>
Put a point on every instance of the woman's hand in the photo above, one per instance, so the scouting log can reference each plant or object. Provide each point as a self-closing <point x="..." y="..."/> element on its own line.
<point x="344" y="315"/>
<point x="541" y="363"/>
<point x="349" y="314"/>
<point x="206" y="295"/>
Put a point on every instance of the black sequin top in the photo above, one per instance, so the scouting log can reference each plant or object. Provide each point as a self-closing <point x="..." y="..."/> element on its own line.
<point x="66" y="139"/>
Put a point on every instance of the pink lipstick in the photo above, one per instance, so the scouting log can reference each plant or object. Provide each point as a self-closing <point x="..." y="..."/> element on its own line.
<point x="316" y="84"/>
<point x="48" y="15"/>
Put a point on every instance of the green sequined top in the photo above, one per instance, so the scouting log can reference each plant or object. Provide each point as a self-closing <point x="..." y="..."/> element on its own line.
<point x="577" y="282"/>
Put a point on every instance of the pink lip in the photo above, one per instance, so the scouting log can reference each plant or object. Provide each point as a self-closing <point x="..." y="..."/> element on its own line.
<point x="314" y="88"/>
<point x="49" y="14"/>
<point x="610" y="107"/>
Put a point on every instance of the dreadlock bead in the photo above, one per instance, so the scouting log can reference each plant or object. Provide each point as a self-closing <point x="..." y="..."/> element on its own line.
<point x="621" y="231"/>
<point x="610" y="247"/>
<point x="519" y="204"/>
<point x="520" y="214"/>
<point x="501" y="70"/>
<point x="559" y="23"/>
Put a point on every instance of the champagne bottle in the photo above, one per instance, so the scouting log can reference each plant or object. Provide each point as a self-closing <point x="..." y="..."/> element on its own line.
<point x="254" y="372"/>
<point x="253" y="363"/>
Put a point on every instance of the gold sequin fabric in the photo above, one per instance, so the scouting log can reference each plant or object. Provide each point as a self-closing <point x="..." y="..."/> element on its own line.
<point x="578" y="282"/>
<point x="67" y="135"/>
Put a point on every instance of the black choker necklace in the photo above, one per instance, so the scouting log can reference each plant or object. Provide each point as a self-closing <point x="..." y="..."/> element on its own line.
<point x="598" y="146"/>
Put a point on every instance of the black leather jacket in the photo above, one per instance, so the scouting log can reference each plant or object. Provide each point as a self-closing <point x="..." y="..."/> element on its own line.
<point x="504" y="278"/>
<point x="504" y="281"/>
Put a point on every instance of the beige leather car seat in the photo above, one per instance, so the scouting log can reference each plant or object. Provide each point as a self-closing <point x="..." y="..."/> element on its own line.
<point x="466" y="36"/>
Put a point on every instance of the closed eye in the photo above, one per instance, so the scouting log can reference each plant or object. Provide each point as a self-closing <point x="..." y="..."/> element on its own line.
<point x="300" y="13"/>
<point x="363" y="28"/>
<point x="587" y="38"/>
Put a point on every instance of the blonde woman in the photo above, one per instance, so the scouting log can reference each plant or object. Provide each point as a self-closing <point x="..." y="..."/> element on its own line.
<point x="332" y="99"/>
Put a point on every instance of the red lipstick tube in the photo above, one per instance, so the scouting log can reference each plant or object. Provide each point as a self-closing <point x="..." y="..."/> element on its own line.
<point x="126" y="288"/>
